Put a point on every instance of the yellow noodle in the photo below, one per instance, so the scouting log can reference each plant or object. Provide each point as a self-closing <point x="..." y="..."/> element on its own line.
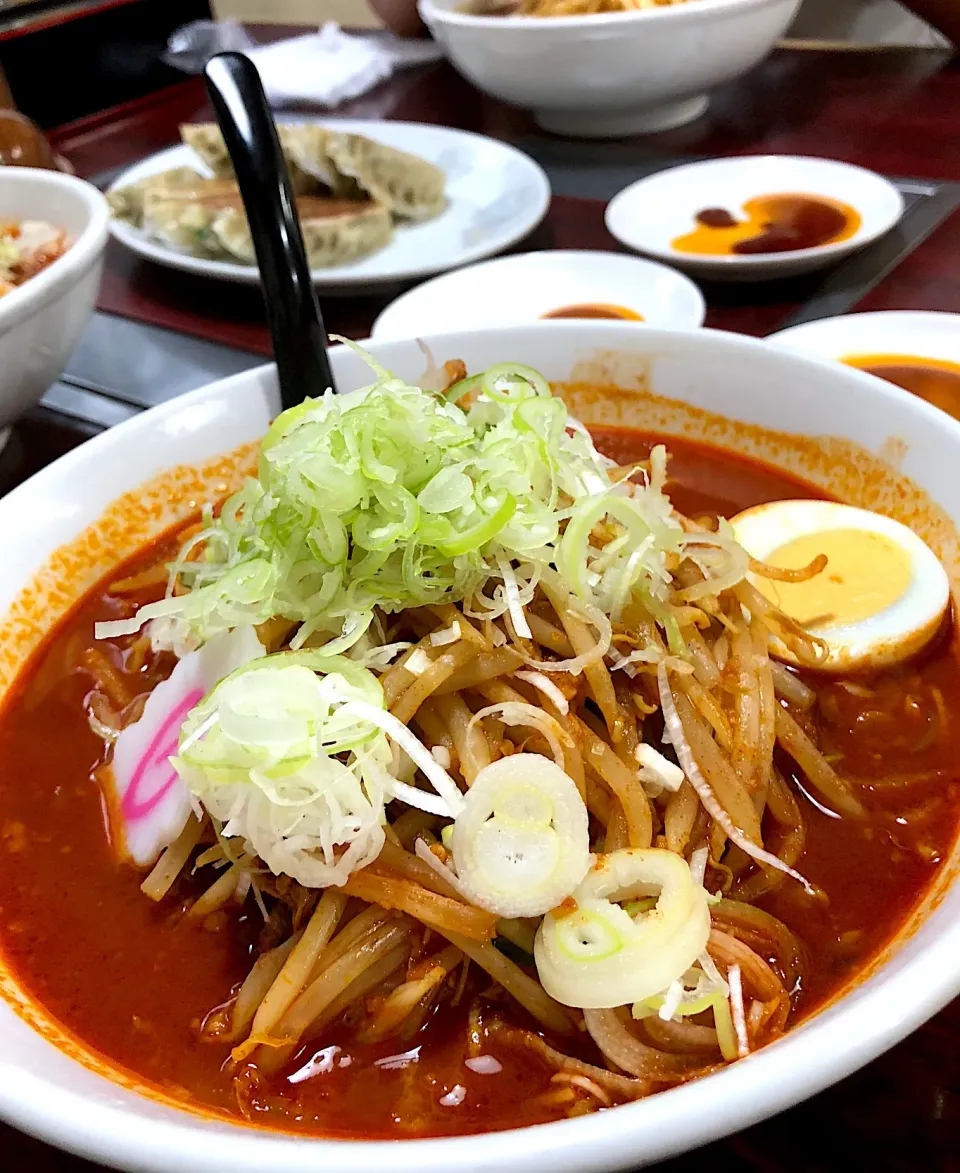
<point x="525" y="989"/>
<point x="820" y="774"/>
<point x="171" y="863"/>
<point x="439" y="912"/>
<point x="597" y="673"/>
<point x="484" y="666"/>
<point x="680" y="817"/>
<point x="218" y="894"/>
<point x="256" y="984"/>
<point x="728" y="789"/>
<point x="622" y="781"/>
<point x="450" y="659"/>
<point x="299" y="965"/>
<point x="471" y="744"/>
<point x="402" y="1001"/>
<point x="332" y="981"/>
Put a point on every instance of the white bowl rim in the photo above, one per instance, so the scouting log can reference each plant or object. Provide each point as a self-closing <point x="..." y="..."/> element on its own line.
<point x="860" y="239"/>
<point x="430" y="10"/>
<point x="25" y="299"/>
<point x="905" y="319"/>
<point x="875" y="1014"/>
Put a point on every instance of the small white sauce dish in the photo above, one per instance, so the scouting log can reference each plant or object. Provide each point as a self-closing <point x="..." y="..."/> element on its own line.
<point x="524" y="288"/>
<point x="895" y="332"/>
<point x="652" y="213"/>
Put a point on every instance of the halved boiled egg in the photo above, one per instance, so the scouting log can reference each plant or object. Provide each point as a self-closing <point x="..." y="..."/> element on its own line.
<point x="880" y="597"/>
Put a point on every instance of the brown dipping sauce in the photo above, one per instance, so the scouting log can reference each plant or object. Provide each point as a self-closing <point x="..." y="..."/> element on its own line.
<point x="774" y="224"/>
<point x="933" y="379"/>
<point x="595" y="310"/>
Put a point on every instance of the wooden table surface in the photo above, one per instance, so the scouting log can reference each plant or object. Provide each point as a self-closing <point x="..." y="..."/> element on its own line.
<point x="896" y="111"/>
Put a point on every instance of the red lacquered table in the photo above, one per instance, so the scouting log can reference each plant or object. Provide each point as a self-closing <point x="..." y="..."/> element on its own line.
<point x="894" y="111"/>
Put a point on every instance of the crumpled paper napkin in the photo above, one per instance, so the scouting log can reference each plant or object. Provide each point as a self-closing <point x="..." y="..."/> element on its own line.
<point x="323" y="68"/>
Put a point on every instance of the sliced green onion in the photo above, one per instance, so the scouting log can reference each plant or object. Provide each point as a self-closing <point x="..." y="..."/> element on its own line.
<point x="521" y="843"/>
<point x="597" y="956"/>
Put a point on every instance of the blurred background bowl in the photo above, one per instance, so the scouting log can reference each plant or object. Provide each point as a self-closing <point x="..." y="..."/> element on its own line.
<point x="41" y="321"/>
<point x="611" y="74"/>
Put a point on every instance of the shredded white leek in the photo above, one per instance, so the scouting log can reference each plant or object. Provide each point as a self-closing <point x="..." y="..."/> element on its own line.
<point x="291" y="754"/>
<point x="515" y="713"/>
<point x="544" y="684"/>
<point x="736" y="1005"/>
<point x="673" y="728"/>
<point x="395" y="497"/>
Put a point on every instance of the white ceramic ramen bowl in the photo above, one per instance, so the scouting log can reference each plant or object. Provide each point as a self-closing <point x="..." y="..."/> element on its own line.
<point x="612" y="74"/>
<point x="712" y="375"/>
<point x="41" y="321"/>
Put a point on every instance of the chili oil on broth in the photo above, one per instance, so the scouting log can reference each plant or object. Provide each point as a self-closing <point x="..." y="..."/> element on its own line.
<point x="218" y="956"/>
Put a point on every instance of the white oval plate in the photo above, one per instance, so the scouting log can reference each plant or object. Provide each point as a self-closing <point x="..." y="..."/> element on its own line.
<point x="650" y="214"/>
<point x="907" y="332"/>
<point x="513" y="290"/>
<point x="495" y="196"/>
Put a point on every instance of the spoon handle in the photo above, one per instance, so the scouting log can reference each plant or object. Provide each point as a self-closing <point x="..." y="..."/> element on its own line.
<point x="296" y="327"/>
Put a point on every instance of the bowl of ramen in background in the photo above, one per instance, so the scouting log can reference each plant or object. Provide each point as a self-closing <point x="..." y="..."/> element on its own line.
<point x="41" y="320"/>
<point x="831" y="427"/>
<point x="609" y="74"/>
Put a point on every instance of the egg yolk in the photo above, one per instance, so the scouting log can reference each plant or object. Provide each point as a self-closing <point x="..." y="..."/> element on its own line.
<point x="866" y="572"/>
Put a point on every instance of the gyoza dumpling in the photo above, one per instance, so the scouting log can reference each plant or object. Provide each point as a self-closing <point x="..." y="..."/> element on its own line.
<point x="183" y="216"/>
<point x="296" y="141"/>
<point x="410" y="187"/>
<point x="335" y="232"/>
<point x="126" y="203"/>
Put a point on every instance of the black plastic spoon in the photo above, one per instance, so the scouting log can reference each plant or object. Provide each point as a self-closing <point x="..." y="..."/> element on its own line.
<point x="293" y="313"/>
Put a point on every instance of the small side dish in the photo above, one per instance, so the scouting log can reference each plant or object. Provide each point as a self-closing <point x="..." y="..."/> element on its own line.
<point x="351" y="191"/>
<point x="936" y="380"/>
<point x="27" y="247"/>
